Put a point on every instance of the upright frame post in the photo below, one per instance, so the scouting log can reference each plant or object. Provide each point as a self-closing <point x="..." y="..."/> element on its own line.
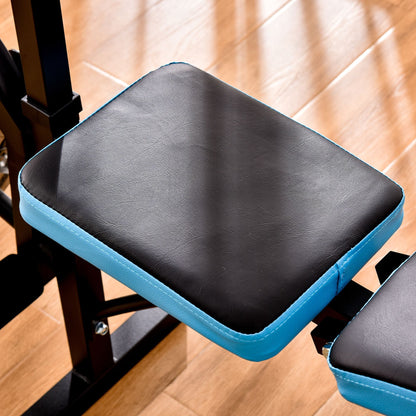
<point x="50" y="104"/>
<point x="52" y="108"/>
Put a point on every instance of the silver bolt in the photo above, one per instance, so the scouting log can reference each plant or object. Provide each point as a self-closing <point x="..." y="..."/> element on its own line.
<point x="101" y="328"/>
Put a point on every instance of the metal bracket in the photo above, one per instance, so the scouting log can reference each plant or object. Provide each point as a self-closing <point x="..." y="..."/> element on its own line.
<point x="388" y="264"/>
<point x="121" y="305"/>
<point x="332" y="320"/>
<point x="37" y="114"/>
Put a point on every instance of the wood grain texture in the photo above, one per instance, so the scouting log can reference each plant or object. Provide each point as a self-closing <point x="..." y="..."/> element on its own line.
<point x="94" y="86"/>
<point x="147" y="379"/>
<point x="35" y="374"/>
<point x="369" y="109"/>
<point x="49" y="303"/>
<point x="301" y="49"/>
<point x="198" y="32"/>
<point x="403" y="170"/>
<point x="344" y="67"/>
<point x="7" y="32"/>
<point x="337" y="406"/>
<point x="164" y="405"/>
<point x="35" y="325"/>
<point x="219" y="383"/>
<point x="7" y="241"/>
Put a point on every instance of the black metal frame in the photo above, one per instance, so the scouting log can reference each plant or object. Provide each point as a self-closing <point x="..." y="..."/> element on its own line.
<point x="48" y="109"/>
<point x="342" y="309"/>
<point x="333" y="319"/>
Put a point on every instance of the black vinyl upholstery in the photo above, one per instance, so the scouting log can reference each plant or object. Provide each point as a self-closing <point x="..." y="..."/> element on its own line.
<point x="380" y="342"/>
<point x="234" y="206"/>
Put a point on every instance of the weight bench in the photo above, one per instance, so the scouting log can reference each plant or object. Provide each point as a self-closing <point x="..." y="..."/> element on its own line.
<point x="231" y="217"/>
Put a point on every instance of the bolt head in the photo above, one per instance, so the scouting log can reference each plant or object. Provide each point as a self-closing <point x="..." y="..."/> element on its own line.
<point x="101" y="328"/>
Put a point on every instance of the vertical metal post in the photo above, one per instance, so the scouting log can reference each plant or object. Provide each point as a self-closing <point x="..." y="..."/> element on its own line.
<point x="81" y="291"/>
<point x="17" y="157"/>
<point x="52" y="108"/>
<point x="45" y="67"/>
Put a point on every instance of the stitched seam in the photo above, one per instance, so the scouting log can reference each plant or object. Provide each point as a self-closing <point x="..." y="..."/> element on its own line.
<point x="179" y="300"/>
<point x="375" y="388"/>
<point x="346" y="262"/>
<point x="339" y="277"/>
<point x="211" y="324"/>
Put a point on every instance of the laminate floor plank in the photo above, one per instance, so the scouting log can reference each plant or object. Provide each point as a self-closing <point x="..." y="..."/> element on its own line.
<point x="90" y="23"/>
<point x="298" y="52"/>
<point x="95" y="87"/>
<point x="370" y="109"/>
<point x="164" y="405"/>
<point x="147" y="379"/>
<point x="198" y="32"/>
<point x="21" y="336"/>
<point x="221" y="384"/>
<point x="338" y="406"/>
<point x="7" y="31"/>
<point x="403" y="171"/>
<point x="35" y="374"/>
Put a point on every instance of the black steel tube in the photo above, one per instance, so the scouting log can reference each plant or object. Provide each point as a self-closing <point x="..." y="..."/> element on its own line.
<point x="44" y="57"/>
<point x="17" y="157"/>
<point x="121" y="305"/>
<point x="81" y="290"/>
<point x="44" y="60"/>
<point x="6" y="208"/>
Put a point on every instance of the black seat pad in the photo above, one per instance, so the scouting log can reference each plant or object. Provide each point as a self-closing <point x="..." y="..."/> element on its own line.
<point x="230" y="204"/>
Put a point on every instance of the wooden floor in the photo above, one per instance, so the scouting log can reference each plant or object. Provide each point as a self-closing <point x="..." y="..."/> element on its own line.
<point x="346" y="68"/>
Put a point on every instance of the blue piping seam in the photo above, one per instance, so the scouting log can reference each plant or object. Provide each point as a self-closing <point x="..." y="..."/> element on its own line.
<point x="378" y="395"/>
<point x="348" y="377"/>
<point x="339" y="278"/>
<point x="81" y="234"/>
<point x="75" y="234"/>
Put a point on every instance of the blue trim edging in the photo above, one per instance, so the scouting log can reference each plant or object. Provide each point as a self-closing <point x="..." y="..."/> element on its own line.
<point x="255" y="347"/>
<point x="374" y="394"/>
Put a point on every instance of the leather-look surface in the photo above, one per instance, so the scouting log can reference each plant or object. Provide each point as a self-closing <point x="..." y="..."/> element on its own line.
<point x="380" y="341"/>
<point x="236" y="207"/>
